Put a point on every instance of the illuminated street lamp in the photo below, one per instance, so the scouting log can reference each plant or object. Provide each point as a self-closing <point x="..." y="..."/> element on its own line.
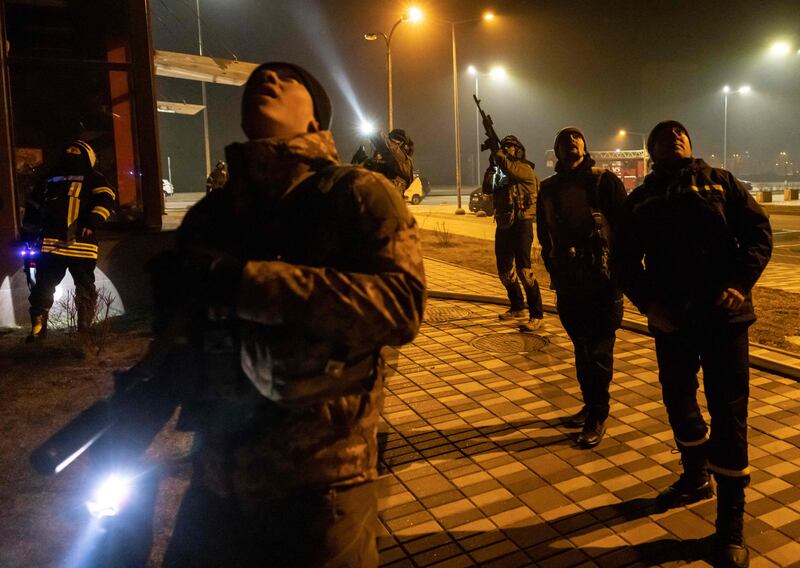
<point x="644" y="147"/>
<point x="487" y="17"/>
<point x="413" y="15"/>
<point x="780" y="49"/>
<point x="497" y="73"/>
<point x="726" y="90"/>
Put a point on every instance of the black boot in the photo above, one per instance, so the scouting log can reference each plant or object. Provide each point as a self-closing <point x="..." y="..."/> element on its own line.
<point x="38" y="325"/>
<point x="86" y="312"/>
<point x="693" y="485"/>
<point x="731" y="550"/>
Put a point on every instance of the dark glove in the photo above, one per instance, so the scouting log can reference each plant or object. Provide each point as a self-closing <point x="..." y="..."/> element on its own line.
<point x="214" y="276"/>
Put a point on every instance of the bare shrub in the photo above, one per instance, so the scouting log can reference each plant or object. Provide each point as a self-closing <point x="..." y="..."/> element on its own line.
<point x="65" y="316"/>
<point x="443" y="235"/>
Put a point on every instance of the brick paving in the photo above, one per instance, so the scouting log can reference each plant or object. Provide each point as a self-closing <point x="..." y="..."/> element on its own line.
<point x="479" y="471"/>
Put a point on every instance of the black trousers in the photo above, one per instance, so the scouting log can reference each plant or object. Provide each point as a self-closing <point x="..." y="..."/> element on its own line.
<point x="591" y="320"/>
<point x="722" y="352"/>
<point x="50" y="270"/>
<point x="512" y="250"/>
<point x="333" y="528"/>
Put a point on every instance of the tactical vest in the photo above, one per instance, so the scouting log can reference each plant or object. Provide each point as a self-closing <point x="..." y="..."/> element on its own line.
<point x="579" y="231"/>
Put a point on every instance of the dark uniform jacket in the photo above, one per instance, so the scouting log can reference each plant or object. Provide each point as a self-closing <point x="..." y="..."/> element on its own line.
<point x="514" y="194"/>
<point x="567" y="221"/>
<point x="698" y="231"/>
<point x="333" y="274"/>
<point x="71" y="198"/>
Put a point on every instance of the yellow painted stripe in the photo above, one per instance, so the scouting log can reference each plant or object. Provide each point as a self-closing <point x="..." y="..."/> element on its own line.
<point x="699" y="442"/>
<point x="715" y="187"/>
<point x="108" y="190"/>
<point x="102" y="211"/>
<point x="729" y="472"/>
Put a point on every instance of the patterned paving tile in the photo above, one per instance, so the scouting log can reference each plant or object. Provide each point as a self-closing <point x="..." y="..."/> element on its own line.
<point x="479" y="470"/>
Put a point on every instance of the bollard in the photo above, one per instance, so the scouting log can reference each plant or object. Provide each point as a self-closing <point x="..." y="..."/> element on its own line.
<point x="764" y="196"/>
<point x="790" y="194"/>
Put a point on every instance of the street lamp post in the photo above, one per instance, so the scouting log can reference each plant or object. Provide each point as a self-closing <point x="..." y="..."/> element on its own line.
<point x="498" y="73"/>
<point x="726" y="90"/>
<point x="459" y="209"/>
<point x="203" y="94"/>
<point x="644" y="147"/>
<point x="413" y="15"/>
<point x="488" y="16"/>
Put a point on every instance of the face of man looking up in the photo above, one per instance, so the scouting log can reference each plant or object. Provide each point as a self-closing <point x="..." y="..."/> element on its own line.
<point x="276" y="104"/>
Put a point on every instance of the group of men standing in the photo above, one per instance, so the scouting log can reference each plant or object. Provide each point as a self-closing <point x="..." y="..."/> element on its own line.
<point x="686" y="247"/>
<point x="319" y="266"/>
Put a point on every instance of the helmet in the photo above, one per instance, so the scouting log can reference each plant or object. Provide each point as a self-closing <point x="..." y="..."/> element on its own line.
<point x="512" y="140"/>
<point x="399" y="135"/>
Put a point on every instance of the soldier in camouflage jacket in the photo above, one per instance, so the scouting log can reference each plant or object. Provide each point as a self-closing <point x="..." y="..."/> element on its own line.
<point x="321" y="265"/>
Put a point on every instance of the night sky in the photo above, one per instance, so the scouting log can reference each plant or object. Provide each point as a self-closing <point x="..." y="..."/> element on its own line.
<point x="600" y="66"/>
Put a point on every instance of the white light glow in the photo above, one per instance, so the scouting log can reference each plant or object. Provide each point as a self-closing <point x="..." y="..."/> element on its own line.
<point x="780" y="49"/>
<point x="745" y="89"/>
<point x="498" y="72"/>
<point x="366" y="128"/>
<point x="110" y="496"/>
<point x="414" y="14"/>
<point x="726" y="89"/>
<point x="472" y="71"/>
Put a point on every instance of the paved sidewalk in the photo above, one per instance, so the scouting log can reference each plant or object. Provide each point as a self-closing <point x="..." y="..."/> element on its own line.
<point x="480" y="473"/>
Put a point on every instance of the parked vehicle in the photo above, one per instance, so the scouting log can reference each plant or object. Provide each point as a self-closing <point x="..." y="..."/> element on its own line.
<point x="418" y="189"/>
<point x="479" y="201"/>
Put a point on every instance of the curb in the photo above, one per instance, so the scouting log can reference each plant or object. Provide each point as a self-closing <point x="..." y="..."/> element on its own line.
<point x="756" y="361"/>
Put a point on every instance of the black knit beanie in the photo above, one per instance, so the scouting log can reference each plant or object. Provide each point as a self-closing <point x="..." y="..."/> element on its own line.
<point x="651" y="138"/>
<point x="323" y="112"/>
<point x="566" y="131"/>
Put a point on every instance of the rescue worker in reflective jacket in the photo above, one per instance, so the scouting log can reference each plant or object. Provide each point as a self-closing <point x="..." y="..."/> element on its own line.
<point x="575" y="213"/>
<point x="62" y="215"/>
<point x="321" y="267"/>
<point x="704" y="242"/>
<point x="513" y="184"/>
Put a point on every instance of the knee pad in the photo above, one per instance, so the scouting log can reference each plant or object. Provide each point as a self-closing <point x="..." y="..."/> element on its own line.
<point x="527" y="277"/>
<point x="508" y="278"/>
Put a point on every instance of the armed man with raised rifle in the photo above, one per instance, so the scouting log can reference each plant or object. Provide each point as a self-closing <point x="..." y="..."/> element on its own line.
<point x="511" y="181"/>
<point x="294" y="275"/>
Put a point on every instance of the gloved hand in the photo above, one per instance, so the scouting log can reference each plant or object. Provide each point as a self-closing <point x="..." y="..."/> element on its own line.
<point x="214" y="275"/>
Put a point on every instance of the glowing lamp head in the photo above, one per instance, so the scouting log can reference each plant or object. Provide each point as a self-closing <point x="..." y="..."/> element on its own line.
<point x="726" y="89"/>
<point x="623" y="132"/>
<point x="110" y="496"/>
<point x="414" y="14"/>
<point x="366" y="128"/>
<point x="745" y="89"/>
<point x="370" y="36"/>
<point x="498" y="73"/>
<point x="780" y="49"/>
<point x="488" y="16"/>
<point x="472" y="71"/>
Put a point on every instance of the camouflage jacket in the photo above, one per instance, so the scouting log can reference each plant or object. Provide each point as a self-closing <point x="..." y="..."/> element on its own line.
<point x="514" y="194"/>
<point x="334" y="273"/>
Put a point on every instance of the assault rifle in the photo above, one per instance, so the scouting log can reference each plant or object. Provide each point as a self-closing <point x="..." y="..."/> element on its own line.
<point x="492" y="141"/>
